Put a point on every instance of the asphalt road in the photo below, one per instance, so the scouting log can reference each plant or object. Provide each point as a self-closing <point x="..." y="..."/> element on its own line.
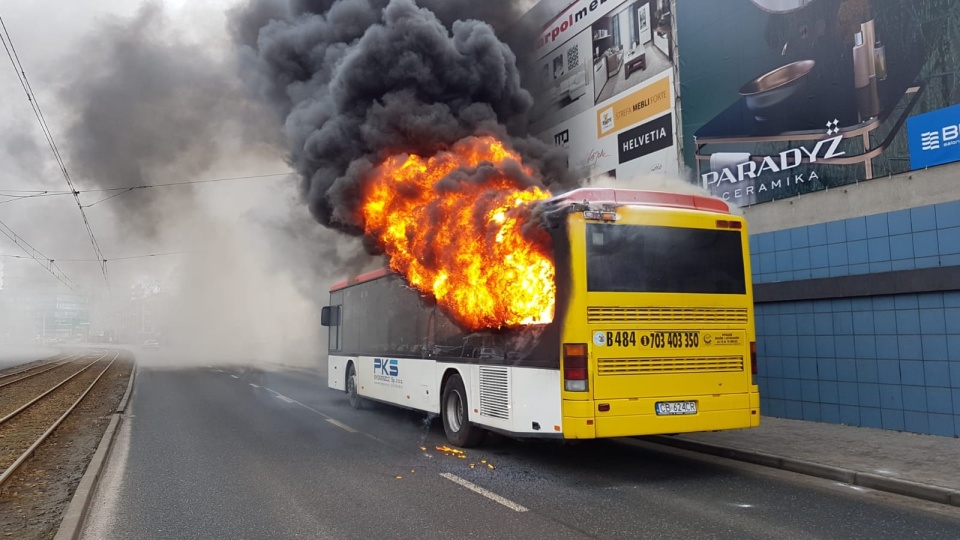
<point x="231" y="453"/>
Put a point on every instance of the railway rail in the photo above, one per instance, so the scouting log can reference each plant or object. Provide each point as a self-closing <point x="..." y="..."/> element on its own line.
<point x="28" y="372"/>
<point x="26" y="428"/>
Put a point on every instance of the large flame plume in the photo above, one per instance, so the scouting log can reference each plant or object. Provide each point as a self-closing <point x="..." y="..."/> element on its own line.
<point x="459" y="226"/>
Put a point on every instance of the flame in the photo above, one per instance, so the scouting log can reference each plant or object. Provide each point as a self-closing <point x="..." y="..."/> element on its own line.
<point x="461" y="239"/>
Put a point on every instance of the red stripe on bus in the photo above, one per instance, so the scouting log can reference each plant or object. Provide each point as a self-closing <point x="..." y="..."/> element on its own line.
<point x="369" y="276"/>
<point x="649" y="198"/>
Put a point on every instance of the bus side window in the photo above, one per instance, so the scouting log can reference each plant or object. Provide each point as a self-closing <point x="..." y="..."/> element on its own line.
<point x="330" y="317"/>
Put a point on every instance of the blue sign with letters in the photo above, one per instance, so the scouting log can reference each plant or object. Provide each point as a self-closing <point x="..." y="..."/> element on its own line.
<point x="934" y="137"/>
<point x="385" y="367"/>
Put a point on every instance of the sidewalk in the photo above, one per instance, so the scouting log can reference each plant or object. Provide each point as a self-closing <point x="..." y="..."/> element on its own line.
<point x="922" y="466"/>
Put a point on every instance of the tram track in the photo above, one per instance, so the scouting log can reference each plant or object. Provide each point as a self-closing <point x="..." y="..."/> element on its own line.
<point x="25" y="429"/>
<point x="7" y="379"/>
<point x="17" y="391"/>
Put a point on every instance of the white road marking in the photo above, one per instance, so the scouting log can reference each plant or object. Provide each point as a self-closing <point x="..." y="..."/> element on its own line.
<point x="342" y="425"/>
<point x="326" y="417"/>
<point x="253" y="385"/>
<point x="307" y="407"/>
<point x="235" y="377"/>
<point x="486" y="493"/>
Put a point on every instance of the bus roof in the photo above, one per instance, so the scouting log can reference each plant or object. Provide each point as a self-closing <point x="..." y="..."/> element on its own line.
<point x="617" y="197"/>
<point x="369" y="276"/>
<point x="621" y="197"/>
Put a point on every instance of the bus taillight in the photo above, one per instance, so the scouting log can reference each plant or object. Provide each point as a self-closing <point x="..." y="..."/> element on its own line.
<point x="729" y="224"/>
<point x="753" y="357"/>
<point x="575" y="367"/>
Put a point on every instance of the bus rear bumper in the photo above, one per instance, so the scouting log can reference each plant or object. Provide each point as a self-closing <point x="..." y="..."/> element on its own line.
<point x="633" y="417"/>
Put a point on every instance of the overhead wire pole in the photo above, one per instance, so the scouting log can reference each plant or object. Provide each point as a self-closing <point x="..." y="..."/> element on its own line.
<point x="33" y="253"/>
<point x="35" y="105"/>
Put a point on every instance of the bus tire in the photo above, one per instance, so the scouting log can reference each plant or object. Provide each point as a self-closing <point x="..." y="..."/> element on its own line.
<point x="353" y="387"/>
<point x="454" y="411"/>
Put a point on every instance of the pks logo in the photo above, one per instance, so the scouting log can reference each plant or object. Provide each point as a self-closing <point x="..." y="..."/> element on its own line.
<point x="930" y="140"/>
<point x="383" y="366"/>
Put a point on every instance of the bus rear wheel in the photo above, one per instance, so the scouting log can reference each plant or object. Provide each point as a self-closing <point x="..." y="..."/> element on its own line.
<point x="454" y="413"/>
<point x="353" y="393"/>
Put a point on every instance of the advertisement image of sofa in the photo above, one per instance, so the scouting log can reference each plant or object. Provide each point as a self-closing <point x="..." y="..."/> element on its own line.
<point x="570" y="87"/>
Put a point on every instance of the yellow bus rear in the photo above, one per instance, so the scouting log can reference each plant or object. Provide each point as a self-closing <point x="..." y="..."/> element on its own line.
<point x="659" y="332"/>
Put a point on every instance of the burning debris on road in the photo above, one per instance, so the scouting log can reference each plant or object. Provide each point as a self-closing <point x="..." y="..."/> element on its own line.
<point x="412" y="135"/>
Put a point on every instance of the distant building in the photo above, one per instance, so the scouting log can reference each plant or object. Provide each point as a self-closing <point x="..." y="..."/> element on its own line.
<point x="43" y="317"/>
<point x="139" y="319"/>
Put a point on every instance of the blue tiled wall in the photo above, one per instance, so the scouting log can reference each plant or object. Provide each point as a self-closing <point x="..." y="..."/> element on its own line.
<point x="922" y="237"/>
<point x="890" y="362"/>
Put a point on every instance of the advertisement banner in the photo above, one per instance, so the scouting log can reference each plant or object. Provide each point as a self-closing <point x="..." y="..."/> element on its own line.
<point x="785" y="97"/>
<point x="635" y="108"/>
<point x="602" y="69"/>
<point x="934" y="137"/>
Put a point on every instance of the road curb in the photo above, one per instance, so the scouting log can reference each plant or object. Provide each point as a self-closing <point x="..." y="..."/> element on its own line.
<point x="73" y="519"/>
<point x="839" y="474"/>
<point x="122" y="406"/>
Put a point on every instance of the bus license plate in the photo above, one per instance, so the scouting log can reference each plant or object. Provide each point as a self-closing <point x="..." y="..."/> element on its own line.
<point x="676" y="407"/>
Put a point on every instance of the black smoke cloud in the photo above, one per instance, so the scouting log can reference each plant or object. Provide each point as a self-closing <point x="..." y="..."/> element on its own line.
<point x="354" y="81"/>
<point x="150" y="107"/>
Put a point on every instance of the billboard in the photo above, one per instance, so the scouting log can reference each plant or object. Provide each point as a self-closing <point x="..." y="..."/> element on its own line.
<point x="785" y="97"/>
<point x="602" y="82"/>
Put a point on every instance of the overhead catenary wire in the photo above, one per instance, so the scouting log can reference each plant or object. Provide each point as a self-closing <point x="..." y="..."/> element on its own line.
<point x="123" y="190"/>
<point x="110" y="197"/>
<point x="125" y="258"/>
<point x="187" y="182"/>
<point x="33" y="253"/>
<point x="52" y="192"/>
<point x="35" y="105"/>
<point x="19" y="194"/>
<point x="15" y="198"/>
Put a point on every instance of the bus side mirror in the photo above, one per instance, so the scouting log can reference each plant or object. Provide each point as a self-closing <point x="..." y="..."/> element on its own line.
<point x="330" y="316"/>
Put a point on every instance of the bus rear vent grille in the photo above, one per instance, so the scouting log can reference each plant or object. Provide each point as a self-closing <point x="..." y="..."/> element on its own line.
<point x="666" y="315"/>
<point x="645" y="366"/>
<point x="495" y="392"/>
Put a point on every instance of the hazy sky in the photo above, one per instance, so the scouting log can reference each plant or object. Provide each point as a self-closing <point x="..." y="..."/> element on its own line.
<point x="63" y="48"/>
<point x="56" y="41"/>
<point x="144" y="93"/>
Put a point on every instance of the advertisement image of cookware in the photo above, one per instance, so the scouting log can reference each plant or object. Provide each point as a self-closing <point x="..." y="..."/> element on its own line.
<point x="775" y="87"/>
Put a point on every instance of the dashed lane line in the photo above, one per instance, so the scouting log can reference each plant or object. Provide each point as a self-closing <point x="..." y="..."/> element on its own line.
<point x="342" y="426"/>
<point x="235" y="377"/>
<point x="253" y="385"/>
<point x="486" y="493"/>
<point x="326" y="417"/>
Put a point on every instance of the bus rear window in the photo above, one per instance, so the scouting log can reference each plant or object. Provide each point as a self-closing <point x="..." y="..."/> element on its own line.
<point x="637" y="258"/>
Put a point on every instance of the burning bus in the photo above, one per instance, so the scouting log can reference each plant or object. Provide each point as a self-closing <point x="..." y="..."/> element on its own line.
<point x="596" y="313"/>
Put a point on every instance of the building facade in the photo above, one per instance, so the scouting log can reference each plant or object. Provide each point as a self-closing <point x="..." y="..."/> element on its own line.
<point x="835" y="126"/>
